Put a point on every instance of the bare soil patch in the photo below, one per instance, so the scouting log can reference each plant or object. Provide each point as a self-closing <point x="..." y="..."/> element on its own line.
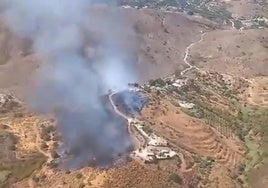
<point x="257" y="93"/>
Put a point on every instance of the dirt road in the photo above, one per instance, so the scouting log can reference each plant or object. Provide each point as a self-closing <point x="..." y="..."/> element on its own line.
<point x="137" y="142"/>
<point x="187" y="51"/>
<point x="38" y="142"/>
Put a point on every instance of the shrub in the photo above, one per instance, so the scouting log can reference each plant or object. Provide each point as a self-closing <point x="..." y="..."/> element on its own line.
<point x="55" y="155"/>
<point x="82" y="185"/>
<point x="158" y="82"/>
<point x="190" y="12"/>
<point x="176" y="178"/>
<point x="53" y="164"/>
<point x="35" y="179"/>
<point x="79" y="175"/>
<point x="44" y="145"/>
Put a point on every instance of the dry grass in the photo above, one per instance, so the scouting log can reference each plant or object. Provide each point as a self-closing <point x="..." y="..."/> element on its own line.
<point x="237" y="53"/>
<point x="134" y="175"/>
<point x="244" y="8"/>
<point x="257" y="93"/>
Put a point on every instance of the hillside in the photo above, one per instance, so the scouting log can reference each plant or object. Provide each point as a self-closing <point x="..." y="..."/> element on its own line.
<point x="196" y="116"/>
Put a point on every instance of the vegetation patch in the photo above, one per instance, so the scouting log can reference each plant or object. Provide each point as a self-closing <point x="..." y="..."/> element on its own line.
<point x="206" y="165"/>
<point x="11" y="168"/>
<point x="176" y="178"/>
<point x="21" y="169"/>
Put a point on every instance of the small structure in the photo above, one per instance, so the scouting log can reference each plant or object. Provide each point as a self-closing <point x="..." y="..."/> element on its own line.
<point x="161" y="152"/>
<point x="135" y="89"/>
<point x="143" y="155"/>
<point x="150" y="153"/>
<point x="186" y="104"/>
<point x="179" y="83"/>
<point x="165" y="154"/>
<point x="126" y="6"/>
<point x="156" y="149"/>
<point x="156" y="141"/>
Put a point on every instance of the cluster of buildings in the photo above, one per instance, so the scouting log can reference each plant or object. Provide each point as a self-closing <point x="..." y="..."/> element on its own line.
<point x="179" y="83"/>
<point x="244" y="23"/>
<point x="152" y="154"/>
<point x="168" y="83"/>
<point x="173" y="83"/>
<point x="156" y="148"/>
<point x="170" y="9"/>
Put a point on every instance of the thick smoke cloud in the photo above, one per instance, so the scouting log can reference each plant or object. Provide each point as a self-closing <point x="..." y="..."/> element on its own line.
<point x="71" y="81"/>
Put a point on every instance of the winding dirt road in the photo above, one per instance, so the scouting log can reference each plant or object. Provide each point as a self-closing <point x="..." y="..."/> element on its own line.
<point x="187" y="51"/>
<point x="38" y="144"/>
<point x="115" y="108"/>
<point x="38" y="140"/>
<point x="129" y="120"/>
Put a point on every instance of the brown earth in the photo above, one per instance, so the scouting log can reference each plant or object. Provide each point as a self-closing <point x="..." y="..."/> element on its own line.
<point x="47" y="177"/>
<point x="193" y="134"/>
<point x="219" y="177"/>
<point x="257" y="93"/>
<point x="244" y="8"/>
<point x="239" y="53"/>
<point x="135" y="175"/>
<point x="23" y="128"/>
<point x="258" y="177"/>
<point x="164" y="38"/>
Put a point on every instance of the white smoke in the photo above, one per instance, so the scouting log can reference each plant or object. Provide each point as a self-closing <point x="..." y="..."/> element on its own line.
<point x="60" y="30"/>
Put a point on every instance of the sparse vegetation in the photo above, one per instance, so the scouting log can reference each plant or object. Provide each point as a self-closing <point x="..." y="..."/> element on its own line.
<point x="44" y="145"/>
<point x="238" y="24"/>
<point x="46" y="132"/>
<point x="206" y="164"/>
<point x="158" y="82"/>
<point x="53" y="164"/>
<point x="176" y="178"/>
<point x="20" y="169"/>
<point x="147" y="129"/>
<point x="55" y="155"/>
<point x="79" y="175"/>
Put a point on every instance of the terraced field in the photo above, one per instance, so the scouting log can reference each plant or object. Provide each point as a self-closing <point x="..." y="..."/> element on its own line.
<point x="194" y="135"/>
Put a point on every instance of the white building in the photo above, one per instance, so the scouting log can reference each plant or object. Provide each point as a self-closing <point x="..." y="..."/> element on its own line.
<point x="126" y="6"/>
<point x="143" y="155"/>
<point x="180" y="82"/>
<point x="156" y="141"/>
<point x="186" y="104"/>
<point x="165" y="154"/>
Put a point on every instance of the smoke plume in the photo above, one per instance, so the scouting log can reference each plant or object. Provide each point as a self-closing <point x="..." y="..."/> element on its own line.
<point x="84" y="54"/>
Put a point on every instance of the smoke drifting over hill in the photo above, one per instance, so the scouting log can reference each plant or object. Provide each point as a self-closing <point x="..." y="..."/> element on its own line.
<point x="71" y="84"/>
